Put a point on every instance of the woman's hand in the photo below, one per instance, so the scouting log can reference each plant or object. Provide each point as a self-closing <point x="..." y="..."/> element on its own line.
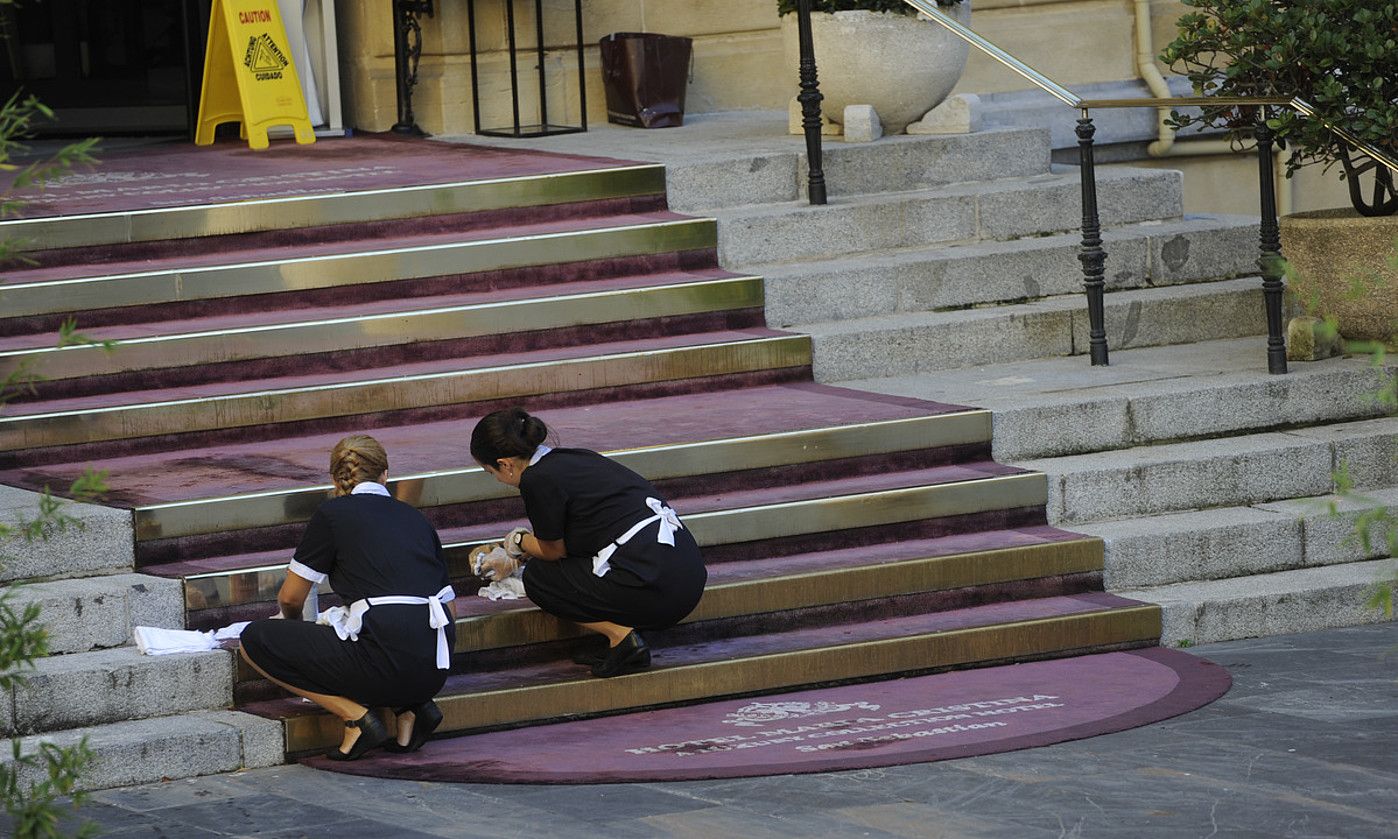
<point x="490" y="562"/>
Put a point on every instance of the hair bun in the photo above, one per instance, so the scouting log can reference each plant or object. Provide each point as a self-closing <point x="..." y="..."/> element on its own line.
<point x="535" y="432"/>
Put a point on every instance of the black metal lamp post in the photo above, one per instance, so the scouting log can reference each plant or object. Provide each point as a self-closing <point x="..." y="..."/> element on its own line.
<point x="407" y="52"/>
<point x="1270" y="260"/>
<point x="810" y="104"/>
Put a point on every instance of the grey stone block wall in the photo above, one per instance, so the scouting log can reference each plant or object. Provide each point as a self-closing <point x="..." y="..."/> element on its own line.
<point x="84" y="689"/>
<point x="103" y="543"/>
<point x="98" y="612"/>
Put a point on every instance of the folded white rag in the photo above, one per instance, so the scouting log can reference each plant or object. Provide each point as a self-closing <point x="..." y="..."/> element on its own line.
<point x="510" y="588"/>
<point x="152" y="640"/>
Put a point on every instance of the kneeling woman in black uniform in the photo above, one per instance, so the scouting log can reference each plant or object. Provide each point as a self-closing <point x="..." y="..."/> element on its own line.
<point x="392" y="643"/>
<point x="605" y="552"/>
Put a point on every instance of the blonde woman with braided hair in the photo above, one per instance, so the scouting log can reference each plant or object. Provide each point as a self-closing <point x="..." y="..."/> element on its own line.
<point x="390" y="645"/>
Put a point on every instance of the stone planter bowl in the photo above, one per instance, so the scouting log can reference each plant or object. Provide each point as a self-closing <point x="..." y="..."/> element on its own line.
<point x="902" y="65"/>
<point x="1343" y="267"/>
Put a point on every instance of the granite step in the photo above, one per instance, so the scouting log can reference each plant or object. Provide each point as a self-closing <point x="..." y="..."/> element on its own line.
<point x="885" y="282"/>
<point x="842" y="652"/>
<point x="161" y="748"/>
<point x="107" y="686"/>
<point x="90" y="613"/>
<point x="1279" y="603"/>
<point x="100" y="543"/>
<point x="1221" y="472"/>
<point x="1229" y="542"/>
<point x="921" y="342"/>
<point x="1061" y="406"/>
<point x="987" y="210"/>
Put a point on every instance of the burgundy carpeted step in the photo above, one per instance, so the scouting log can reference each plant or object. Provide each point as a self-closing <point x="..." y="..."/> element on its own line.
<point x="306" y="302"/>
<point x="487" y="520"/>
<point x="297" y="381"/>
<point x="403" y="239"/>
<point x="366" y="233"/>
<point x="178" y="174"/>
<point x="416" y="448"/>
<point x="262" y="318"/>
<point x="408" y="351"/>
<point x="755" y="568"/>
<point x="752" y="646"/>
<point x="356" y="423"/>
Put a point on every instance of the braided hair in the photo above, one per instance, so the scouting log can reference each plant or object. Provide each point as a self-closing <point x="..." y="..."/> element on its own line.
<point x="354" y="460"/>
<point x="508" y="433"/>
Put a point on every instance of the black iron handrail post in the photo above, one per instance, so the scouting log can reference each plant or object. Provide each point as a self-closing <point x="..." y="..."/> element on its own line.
<point x="407" y="52"/>
<point x="810" y="104"/>
<point x="1093" y="258"/>
<point x="1269" y="244"/>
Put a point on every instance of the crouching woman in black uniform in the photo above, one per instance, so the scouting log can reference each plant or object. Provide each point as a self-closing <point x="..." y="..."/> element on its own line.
<point x="391" y="644"/>
<point x="606" y="552"/>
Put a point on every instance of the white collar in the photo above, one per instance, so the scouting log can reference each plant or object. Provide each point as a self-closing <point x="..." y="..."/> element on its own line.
<point x="539" y="454"/>
<point x="370" y="488"/>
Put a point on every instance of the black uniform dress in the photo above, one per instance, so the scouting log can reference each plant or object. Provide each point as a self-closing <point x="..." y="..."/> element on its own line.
<point x="589" y="501"/>
<point x="368" y="545"/>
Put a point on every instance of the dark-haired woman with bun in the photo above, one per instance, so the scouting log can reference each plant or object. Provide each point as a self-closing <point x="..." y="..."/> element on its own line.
<point x="390" y="645"/>
<point x="606" y="552"/>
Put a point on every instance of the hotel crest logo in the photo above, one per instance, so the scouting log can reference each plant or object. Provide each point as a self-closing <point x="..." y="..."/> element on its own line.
<point x="765" y="713"/>
<point x="264" y="58"/>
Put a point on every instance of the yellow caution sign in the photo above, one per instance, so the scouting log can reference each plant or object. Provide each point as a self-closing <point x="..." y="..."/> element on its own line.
<point x="249" y="76"/>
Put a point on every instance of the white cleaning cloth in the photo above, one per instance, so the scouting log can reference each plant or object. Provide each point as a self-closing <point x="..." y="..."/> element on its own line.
<point x="152" y="640"/>
<point x="510" y="588"/>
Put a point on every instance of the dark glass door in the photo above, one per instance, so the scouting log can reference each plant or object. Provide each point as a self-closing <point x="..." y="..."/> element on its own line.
<point x="107" y="66"/>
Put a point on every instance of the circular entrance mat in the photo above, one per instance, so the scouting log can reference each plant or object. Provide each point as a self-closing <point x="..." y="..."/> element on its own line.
<point x="925" y="718"/>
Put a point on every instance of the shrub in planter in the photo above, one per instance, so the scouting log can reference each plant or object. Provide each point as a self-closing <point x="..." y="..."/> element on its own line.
<point x="1339" y="55"/>
<point x="880" y="53"/>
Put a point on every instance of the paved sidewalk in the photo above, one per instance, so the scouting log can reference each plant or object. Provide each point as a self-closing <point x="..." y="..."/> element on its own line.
<point x="1305" y="744"/>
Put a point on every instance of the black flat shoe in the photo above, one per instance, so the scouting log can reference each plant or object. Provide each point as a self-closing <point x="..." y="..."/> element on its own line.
<point x="426" y="718"/>
<point x="372" y="734"/>
<point x="630" y="655"/>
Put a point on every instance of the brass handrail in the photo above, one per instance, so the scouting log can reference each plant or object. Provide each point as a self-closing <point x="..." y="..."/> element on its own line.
<point x="930" y="10"/>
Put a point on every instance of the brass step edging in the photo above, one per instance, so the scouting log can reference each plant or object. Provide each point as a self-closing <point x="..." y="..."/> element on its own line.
<point x="390" y="328"/>
<point x="770" y="672"/>
<point x="401" y="393"/>
<point x="529" y="625"/>
<point x="303" y="273"/>
<point x="465" y="485"/>
<point x="295" y="211"/>
<point x="719" y="527"/>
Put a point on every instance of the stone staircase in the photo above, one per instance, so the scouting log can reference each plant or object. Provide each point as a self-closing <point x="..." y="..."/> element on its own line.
<point x="849" y="535"/>
<point x="143" y="717"/>
<point x="1209" y="480"/>
<point x="856" y="530"/>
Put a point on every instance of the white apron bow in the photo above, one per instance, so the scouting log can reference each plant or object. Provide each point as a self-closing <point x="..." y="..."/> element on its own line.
<point x="348" y="620"/>
<point x="665" y="534"/>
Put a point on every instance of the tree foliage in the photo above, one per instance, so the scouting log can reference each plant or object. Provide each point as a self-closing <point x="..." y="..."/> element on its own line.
<point x="1339" y="55"/>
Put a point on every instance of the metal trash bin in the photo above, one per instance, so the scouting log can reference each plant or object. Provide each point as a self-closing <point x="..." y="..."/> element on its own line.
<point x="645" y="76"/>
